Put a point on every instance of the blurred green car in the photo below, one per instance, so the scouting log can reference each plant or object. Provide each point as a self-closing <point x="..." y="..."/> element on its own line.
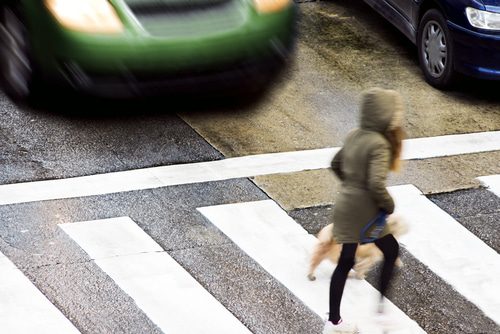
<point x="116" y="48"/>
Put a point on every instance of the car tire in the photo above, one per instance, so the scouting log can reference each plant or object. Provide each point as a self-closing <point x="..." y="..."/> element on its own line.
<point x="17" y="69"/>
<point x="435" y="50"/>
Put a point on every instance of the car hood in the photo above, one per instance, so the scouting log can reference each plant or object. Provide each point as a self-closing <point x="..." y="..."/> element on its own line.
<point x="492" y="3"/>
<point x="161" y="4"/>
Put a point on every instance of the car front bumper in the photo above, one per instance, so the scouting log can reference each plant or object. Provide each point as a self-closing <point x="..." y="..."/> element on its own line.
<point x="246" y="77"/>
<point x="139" y="62"/>
<point x="476" y="54"/>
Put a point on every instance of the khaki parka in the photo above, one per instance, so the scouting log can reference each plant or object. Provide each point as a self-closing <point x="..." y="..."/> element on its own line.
<point x="363" y="164"/>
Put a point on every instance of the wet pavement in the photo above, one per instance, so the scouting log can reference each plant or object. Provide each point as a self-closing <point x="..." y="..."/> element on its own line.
<point x="343" y="48"/>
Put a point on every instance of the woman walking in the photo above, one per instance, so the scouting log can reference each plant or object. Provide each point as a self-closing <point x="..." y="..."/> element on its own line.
<point x="363" y="164"/>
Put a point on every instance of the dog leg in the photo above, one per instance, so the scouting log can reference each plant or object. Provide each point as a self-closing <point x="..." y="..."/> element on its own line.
<point x="320" y="253"/>
<point x="361" y="267"/>
<point x="353" y="274"/>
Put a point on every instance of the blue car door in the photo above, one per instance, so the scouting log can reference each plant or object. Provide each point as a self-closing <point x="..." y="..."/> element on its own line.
<point x="404" y="7"/>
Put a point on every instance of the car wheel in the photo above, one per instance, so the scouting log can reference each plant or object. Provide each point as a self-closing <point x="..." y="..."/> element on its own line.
<point x="435" y="49"/>
<point x="16" y="64"/>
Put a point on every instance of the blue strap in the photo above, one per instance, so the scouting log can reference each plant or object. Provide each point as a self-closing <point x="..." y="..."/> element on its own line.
<point x="376" y="225"/>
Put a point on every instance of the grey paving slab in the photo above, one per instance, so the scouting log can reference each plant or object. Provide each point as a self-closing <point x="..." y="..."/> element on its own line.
<point x="313" y="219"/>
<point x="468" y="203"/>
<point x="476" y="209"/>
<point x="486" y="227"/>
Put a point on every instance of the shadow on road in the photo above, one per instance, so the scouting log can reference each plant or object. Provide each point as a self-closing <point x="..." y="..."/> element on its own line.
<point x="62" y="101"/>
<point x="468" y="89"/>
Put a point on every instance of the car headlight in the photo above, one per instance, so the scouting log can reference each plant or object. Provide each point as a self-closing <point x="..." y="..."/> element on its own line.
<point x="483" y="19"/>
<point x="270" y="6"/>
<point x="93" y="16"/>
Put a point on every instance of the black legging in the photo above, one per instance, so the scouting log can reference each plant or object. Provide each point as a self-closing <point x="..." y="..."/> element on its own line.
<point x="388" y="245"/>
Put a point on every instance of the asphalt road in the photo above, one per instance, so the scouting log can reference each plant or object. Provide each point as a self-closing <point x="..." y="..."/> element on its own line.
<point x="343" y="48"/>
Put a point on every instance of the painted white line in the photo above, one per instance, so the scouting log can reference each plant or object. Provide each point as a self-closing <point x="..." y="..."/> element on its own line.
<point x="434" y="147"/>
<point x="166" y="293"/>
<point x="23" y="308"/>
<point x="450" y="250"/>
<point x="248" y="166"/>
<point x="491" y="182"/>
<point x="155" y="177"/>
<point x="282" y="247"/>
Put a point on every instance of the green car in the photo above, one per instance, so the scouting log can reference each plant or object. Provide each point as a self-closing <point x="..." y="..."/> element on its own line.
<point x="116" y="48"/>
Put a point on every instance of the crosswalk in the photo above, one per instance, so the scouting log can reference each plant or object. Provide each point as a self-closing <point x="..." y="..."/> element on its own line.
<point x="281" y="246"/>
<point x="467" y="263"/>
<point x="492" y="183"/>
<point x="158" y="284"/>
<point x="165" y="284"/>
<point x="170" y="296"/>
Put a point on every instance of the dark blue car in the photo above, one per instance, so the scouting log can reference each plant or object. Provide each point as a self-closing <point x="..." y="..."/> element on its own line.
<point x="451" y="35"/>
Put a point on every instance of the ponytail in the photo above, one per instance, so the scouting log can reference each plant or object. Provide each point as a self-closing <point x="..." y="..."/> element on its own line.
<point x="395" y="137"/>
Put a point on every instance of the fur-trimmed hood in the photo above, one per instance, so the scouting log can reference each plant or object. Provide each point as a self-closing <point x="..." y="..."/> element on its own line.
<point x="381" y="110"/>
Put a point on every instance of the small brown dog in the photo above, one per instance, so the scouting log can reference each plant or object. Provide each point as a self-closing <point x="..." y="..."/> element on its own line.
<point x="367" y="255"/>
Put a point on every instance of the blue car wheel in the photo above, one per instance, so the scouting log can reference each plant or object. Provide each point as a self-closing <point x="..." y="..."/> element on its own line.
<point x="435" y="49"/>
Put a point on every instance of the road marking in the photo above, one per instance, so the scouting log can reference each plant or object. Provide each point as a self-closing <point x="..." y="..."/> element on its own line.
<point x="282" y="247"/>
<point x="442" y="146"/>
<point x="450" y="250"/>
<point x="23" y="308"/>
<point x="166" y="293"/>
<point x="491" y="182"/>
<point x="248" y="166"/>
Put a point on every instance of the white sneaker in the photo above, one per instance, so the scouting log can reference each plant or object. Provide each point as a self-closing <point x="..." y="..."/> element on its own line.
<point x="340" y="328"/>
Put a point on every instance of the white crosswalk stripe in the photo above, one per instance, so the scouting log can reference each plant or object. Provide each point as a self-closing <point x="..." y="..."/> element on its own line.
<point x="450" y="250"/>
<point x="266" y="233"/>
<point x="492" y="182"/>
<point x="24" y="309"/>
<point x="171" y="298"/>
<point x="247" y="166"/>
